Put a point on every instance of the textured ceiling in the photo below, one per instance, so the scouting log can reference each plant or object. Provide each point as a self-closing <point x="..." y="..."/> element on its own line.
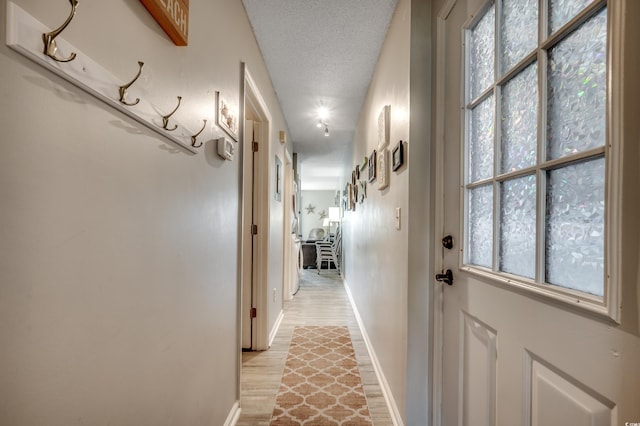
<point x="321" y="52"/>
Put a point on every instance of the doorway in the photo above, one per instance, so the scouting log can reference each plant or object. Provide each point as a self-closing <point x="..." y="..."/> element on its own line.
<point x="255" y="217"/>
<point x="291" y="244"/>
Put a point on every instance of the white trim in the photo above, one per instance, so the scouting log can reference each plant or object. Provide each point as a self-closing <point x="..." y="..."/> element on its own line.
<point x="607" y="305"/>
<point x="615" y="170"/>
<point x="438" y="290"/>
<point x="287" y="243"/>
<point x="254" y="100"/>
<point x="276" y="327"/>
<point x="234" y="415"/>
<point x="396" y="417"/>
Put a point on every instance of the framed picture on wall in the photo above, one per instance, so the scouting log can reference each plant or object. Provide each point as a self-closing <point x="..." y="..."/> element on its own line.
<point x="384" y="121"/>
<point x="351" y="202"/>
<point x="226" y="118"/>
<point x="346" y="197"/>
<point x="372" y="166"/>
<point x="383" y="168"/>
<point x="362" y="192"/>
<point x="397" y="156"/>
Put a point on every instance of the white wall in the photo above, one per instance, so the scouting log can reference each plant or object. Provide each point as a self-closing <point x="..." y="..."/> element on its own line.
<point x="321" y="200"/>
<point x="388" y="270"/>
<point x="119" y="295"/>
<point x="375" y="251"/>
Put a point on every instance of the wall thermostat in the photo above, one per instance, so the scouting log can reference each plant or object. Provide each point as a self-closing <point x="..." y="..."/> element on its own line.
<point x="226" y="149"/>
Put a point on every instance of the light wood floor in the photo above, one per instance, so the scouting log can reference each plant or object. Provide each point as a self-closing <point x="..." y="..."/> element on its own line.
<point x="321" y="300"/>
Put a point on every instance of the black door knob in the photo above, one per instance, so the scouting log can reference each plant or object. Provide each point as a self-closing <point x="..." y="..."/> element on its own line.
<point x="447" y="277"/>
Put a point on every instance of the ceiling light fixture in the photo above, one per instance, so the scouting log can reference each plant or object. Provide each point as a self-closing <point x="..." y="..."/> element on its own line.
<point x="324" y="124"/>
<point x="323" y="112"/>
<point x="323" y="115"/>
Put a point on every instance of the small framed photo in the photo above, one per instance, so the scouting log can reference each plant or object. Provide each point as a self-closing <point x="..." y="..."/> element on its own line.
<point x="384" y="121"/>
<point x="353" y="198"/>
<point x="383" y="168"/>
<point x="346" y="197"/>
<point x="362" y="192"/>
<point x="397" y="156"/>
<point x="372" y="166"/>
<point x="226" y="118"/>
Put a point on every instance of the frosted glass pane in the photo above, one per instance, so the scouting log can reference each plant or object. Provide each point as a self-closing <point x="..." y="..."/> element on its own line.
<point x="520" y="120"/>
<point x="518" y="226"/>
<point x="481" y="61"/>
<point x="577" y="74"/>
<point x="562" y="11"/>
<point x="481" y="143"/>
<point x="519" y="29"/>
<point x="575" y="227"/>
<point x="481" y="226"/>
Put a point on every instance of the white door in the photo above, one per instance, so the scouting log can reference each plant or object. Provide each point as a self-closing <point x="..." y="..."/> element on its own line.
<point x="248" y="246"/>
<point x="251" y="257"/>
<point x="517" y="351"/>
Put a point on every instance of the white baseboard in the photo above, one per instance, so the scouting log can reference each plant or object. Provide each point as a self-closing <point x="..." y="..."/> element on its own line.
<point x="275" y="328"/>
<point x="396" y="418"/>
<point x="234" y="415"/>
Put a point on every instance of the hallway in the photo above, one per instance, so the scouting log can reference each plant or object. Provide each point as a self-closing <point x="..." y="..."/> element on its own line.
<point x="321" y="300"/>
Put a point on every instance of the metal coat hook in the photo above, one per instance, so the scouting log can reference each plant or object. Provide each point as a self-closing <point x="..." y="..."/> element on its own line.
<point x="50" y="47"/>
<point x="194" y="137"/>
<point x="123" y="89"/>
<point x="165" y="118"/>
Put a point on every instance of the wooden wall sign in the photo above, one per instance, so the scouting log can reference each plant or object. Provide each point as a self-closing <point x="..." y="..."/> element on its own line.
<point x="173" y="17"/>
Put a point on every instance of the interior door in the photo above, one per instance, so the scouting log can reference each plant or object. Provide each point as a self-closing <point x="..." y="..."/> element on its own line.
<point x="248" y="268"/>
<point x="511" y="357"/>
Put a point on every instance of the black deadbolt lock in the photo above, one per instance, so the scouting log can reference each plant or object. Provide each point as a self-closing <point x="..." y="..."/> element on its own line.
<point x="447" y="242"/>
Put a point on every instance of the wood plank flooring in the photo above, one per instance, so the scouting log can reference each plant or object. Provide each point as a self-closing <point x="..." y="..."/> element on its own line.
<point x="321" y="300"/>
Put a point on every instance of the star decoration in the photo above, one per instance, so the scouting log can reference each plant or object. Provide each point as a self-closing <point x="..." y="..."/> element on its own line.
<point x="310" y="209"/>
<point x="323" y="214"/>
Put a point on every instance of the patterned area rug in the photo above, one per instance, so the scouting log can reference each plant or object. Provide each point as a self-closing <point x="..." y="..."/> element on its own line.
<point x="321" y="383"/>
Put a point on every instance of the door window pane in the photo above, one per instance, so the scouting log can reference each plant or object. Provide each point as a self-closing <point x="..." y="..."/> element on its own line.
<point x="575" y="226"/>
<point x="535" y="145"/>
<point x="518" y="226"/>
<point x="519" y="122"/>
<point x="577" y="90"/>
<point x="562" y="11"/>
<point x="481" y="226"/>
<point x="482" y="54"/>
<point x="519" y="30"/>
<point x="481" y="144"/>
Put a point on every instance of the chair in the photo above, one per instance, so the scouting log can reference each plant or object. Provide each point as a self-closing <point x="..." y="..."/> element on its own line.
<point x="309" y="252"/>
<point x="328" y="253"/>
<point x="316" y="234"/>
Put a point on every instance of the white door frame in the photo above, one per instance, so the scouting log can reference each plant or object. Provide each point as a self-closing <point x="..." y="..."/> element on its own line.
<point x="252" y="100"/>
<point x="438" y="294"/>
<point x="287" y="244"/>
<point x="246" y="238"/>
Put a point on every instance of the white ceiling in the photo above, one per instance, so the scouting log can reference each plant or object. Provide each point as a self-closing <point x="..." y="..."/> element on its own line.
<point x="321" y="52"/>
